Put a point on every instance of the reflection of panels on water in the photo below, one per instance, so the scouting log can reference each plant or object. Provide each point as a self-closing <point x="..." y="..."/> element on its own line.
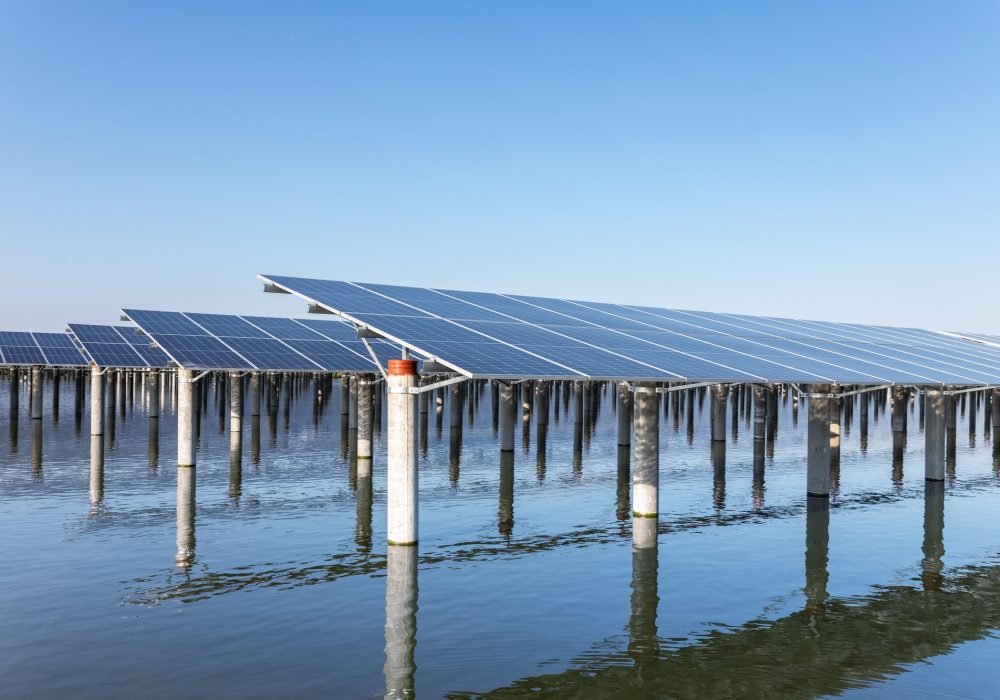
<point x="829" y="646"/>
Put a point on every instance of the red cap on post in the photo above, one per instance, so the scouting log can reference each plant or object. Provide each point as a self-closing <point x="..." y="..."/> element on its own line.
<point x="402" y="367"/>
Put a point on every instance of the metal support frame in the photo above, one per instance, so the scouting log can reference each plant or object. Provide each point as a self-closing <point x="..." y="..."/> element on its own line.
<point x="840" y="395"/>
<point x="381" y="369"/>
<point x="428" y="387"/>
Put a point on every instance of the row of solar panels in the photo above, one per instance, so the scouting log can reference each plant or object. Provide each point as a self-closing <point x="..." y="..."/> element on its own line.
<point x="503" y="335"/>
<point x="200" y="341"/>
<point x="511" y="336"/>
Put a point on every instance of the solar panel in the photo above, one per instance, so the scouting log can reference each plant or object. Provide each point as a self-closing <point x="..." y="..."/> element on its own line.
<point x="59" y="350"/>
<point x="233" y="342"/>
<point x="497" y="335"/>
<point x="117" y="346"/>
<point x="45" y="349"/>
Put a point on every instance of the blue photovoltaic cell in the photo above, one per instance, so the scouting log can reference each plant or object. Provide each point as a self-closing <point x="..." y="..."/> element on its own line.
<point x="289" y="328"/>
<point x="19" y="348"/>
<point x="60" y="350"/>
<point x="187" y="343"/>
<point x="107" y="347"/>
<point x="511" y="335"/>
<point x="154" y="357"/>
<point x="221" y="341"/>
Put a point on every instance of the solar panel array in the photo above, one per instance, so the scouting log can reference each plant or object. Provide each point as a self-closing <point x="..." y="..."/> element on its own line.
<point x="512" y="336"/>
<point x="229" y="342"/>
<point x="993" y="340"/>
<point x="22" y="348"/>
<point x="117" y="346"/>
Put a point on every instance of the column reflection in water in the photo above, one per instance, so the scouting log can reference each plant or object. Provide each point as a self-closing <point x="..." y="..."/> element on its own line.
<point x="643" y="644"/>
<point x="272" y="421"/>
<point x="185" y="517"/>
<point x="424" y="422"/>
<point x="933" y="547"/>
<point x="719" y="474"/>
<point x="235" y="476"/>
<point x="690" y="417"/>
<point x="400" y="621"/>
<point x="996" y="450"/>
<point x="817" y="553"/>
<point x="898" y="450"/>
<point x="577" y="448"/>
<point x="865" y="400"/>
<point x="255" y="440"/>
<point x="454" y="452"/>
<point x="345" y="437"/>
<point x="540" y="448"/>
<point x="109" y="421"/>
<point x="12" y="432"/>
<point x="96" y="470"/>
<point x="506" y="511"/>
<point x="154" y="444"/>
<point x="623" y="505"/>
<point x="363" y="526"/>
<point x="36" y="449"/>
<point x="758" y="488"/>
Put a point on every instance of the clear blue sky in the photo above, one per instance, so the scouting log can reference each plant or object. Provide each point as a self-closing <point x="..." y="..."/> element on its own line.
<point x="833" y="160"/>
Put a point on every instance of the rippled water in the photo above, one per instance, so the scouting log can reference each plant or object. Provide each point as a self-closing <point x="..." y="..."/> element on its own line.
<point x="525" y="581"/>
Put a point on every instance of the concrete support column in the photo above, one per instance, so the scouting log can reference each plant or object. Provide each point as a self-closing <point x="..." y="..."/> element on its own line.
<point x="235" y="415"/>
<point x="352" y="416"/>
<point x="719" y="395"/>
<point x="542" y="405"/>
<point x="934" y="435"/>
<point x="56" y="377"/>
<point x="646" y="461"/>
<point x="578" y="403"/>
<point x="899" y="401"/>
<point x="15" y="392"/>
<point x="818" y="463"/>
<point x="345" y="396"/>
<point x="995" y="409"/>
<point x="187" y="411"/>
<point x="96" y="402"/>
<point x="255" y="394"/>
<point x="366" y="406"/>
<point x="507" y="411"/>
<point x="154" y="393"/>
<point x="624" y="415"/>
<point x="455" y="406"/>
<point x="836" y="404"/>
<point x="36" y="392"/>
<point x="402" y="486"/>
<point x="759" y="412"/>
<point x="950" y="411"/>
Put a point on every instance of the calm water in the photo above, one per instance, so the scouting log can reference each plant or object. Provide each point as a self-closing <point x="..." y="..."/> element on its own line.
<point x="525" y="580"/>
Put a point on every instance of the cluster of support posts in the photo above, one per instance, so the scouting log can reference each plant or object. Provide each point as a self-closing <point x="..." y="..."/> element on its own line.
<point x="412" y="401"/>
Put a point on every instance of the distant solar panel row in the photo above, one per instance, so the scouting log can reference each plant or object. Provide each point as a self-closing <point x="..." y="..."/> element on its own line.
<point x="117" y="346"/>
<point x="49" y="349"/>
<point x="499" y="335"/>
<point x="217" y="341"/>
